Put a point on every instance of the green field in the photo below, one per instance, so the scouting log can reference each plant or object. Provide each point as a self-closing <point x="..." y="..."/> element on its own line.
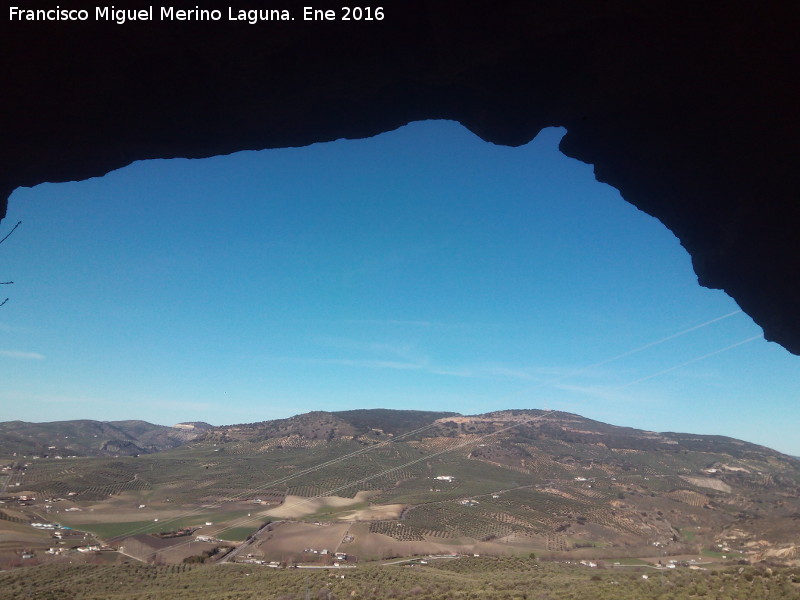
<point x="111" y="530"/>
<point x="715" y="553"/>
<point x="688" y="534"/>
<point x="108" y="531"/>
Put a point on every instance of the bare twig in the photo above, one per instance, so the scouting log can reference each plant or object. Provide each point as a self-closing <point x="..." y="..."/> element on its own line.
<point x="13" y="229"/>
<point x="10" y="232"/>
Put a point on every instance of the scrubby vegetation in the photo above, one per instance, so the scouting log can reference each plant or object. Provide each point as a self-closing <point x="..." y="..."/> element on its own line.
<point x="455" y="579"/>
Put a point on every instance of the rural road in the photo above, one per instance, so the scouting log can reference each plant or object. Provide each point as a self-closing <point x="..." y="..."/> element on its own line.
<point x="230" y="556"/>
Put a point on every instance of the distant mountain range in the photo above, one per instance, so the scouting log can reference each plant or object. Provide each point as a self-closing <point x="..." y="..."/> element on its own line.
<point x="85" y="437"/>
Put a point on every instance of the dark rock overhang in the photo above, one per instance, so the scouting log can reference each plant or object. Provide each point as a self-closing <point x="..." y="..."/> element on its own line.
<point x="689" y="109"/>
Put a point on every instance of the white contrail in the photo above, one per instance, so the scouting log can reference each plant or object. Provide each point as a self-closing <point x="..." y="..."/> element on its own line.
<point x="689" y="362"/>
<point x="656" y="343"/>
<point x="553" y="382"/>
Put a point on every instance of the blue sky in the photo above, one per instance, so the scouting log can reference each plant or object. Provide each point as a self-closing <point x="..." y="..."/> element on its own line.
<point x="421" y="269"/>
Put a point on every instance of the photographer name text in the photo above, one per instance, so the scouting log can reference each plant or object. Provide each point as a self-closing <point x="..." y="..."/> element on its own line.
<point x="120" y="16"/>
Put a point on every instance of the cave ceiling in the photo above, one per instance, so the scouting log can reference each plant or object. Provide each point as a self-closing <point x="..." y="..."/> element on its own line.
<point x="688" y="109"/>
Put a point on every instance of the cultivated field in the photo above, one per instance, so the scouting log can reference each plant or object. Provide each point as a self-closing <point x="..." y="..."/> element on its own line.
<point x="548" y="486"/>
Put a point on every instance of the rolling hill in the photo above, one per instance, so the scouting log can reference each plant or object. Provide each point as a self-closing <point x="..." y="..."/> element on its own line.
<point x="409" y="480"/>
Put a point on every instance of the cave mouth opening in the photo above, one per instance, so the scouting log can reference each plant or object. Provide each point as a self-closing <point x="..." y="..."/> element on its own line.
<point x="417" y="269"/>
